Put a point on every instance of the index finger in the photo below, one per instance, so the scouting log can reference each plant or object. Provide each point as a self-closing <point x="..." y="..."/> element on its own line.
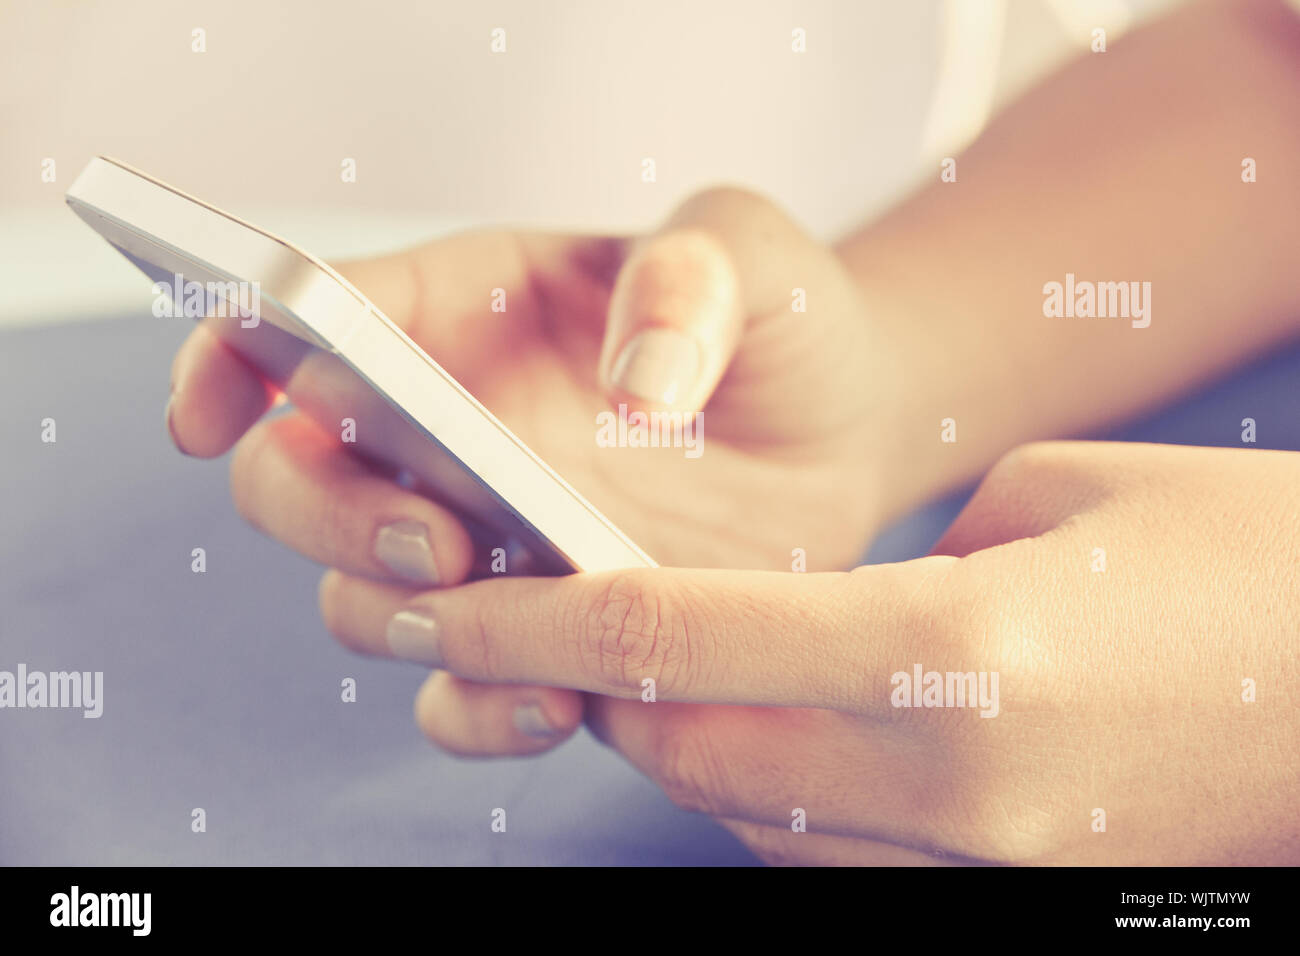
<point x="700" y="636"/>
<point x="215" y="396"/>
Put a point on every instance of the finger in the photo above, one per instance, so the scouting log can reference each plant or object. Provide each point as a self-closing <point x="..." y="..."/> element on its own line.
<point x="773" y="766"/>
<point x="674" y="321"/>
<point x="682" y="299"/>
<point x="510" y="719"/>
<point x="441" y="293"/>
<point x="293" y="482"/>
<point x="606" y="633"/>
<point x="215" y="397"/>
<point x="486" y="720"/>
<point x="447" y="294"/>
<point x="799" y="640"/>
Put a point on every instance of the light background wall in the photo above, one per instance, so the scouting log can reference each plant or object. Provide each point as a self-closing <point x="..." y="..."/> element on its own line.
<point x="445" y="132"/>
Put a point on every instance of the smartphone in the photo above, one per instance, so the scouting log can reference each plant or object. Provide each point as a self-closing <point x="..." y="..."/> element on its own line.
<point x="343" y="362"/>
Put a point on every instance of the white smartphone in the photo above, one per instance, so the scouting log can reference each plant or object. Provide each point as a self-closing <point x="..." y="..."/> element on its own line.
<point x="343" y="362"/>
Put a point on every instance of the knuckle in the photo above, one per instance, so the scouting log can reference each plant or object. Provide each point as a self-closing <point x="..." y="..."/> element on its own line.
<point x="1003" y="627"/>
<point x="480" y="649"/>
<point x="665" y="257"/>
<point x="729" y="200"/>
<point x="727" y="208"/>
<point x="632" y="630"/>
<point x="689" y="768"/>
<point x="672" y="272"/>
<point x="326" y="525"/>
<point x="1048" y="476"/>
<point x="997" y="808"/>
<point x="964" y="616"/>
<point x="1025" y="459"/>
<point x="488" y="660"/>
<point x="982" y="628"/>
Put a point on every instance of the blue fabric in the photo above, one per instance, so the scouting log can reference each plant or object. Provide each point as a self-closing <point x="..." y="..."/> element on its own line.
<point x="222" y="691"/>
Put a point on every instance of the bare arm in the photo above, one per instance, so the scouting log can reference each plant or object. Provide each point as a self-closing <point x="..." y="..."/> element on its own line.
<point x="1124" y="166"/>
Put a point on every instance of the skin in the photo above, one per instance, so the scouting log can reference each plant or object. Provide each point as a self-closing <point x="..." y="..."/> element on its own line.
<point x="1120" y="689"/>
<point x="1138" y="711"/>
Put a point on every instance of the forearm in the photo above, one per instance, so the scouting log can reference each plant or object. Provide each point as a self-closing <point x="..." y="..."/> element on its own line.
<point x="1123" y="167"/>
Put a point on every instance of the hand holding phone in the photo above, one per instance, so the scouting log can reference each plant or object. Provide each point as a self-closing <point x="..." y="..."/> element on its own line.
<point x="800" y="405"/>
<point x="337" y="357"/>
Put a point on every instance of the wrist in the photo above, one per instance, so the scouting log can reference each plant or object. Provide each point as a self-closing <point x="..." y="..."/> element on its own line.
<point x="947" y="418"/>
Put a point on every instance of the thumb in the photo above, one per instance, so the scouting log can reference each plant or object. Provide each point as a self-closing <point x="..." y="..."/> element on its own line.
<point x="674" y="322"/>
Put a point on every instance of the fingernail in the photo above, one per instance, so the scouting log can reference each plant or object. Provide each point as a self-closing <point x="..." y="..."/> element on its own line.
<point x="413" y="636"/>
<point x="403" y="547"/>
<point x="532" y="722"/>
<point x="658" y="365"/>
